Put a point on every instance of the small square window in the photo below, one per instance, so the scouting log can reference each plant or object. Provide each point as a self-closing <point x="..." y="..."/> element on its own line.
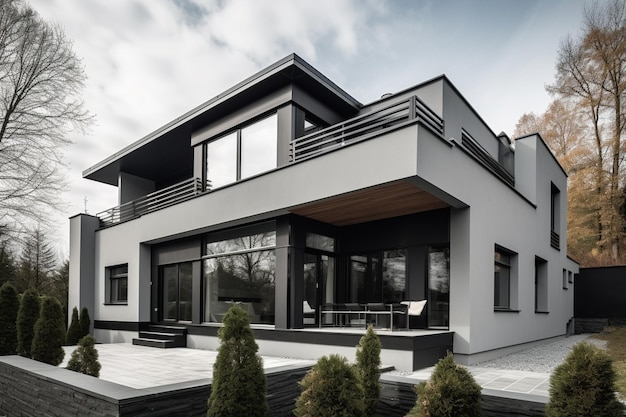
<point x="117" y="284"/>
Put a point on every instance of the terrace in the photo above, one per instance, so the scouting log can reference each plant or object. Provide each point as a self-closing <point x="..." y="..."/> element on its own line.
<point x="349" y="132"/>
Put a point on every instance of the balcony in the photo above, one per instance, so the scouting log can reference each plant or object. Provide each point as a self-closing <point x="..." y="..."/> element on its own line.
<point x="157" y="200"/>
<point x="351" y="131"/>
<point x="365" y="127"/>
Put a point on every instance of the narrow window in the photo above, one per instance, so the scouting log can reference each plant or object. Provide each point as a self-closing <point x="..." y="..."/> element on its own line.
<point x="541" y="285"/>
<point x="117" y="284"/>
<point x="555" y="217"/>
<point x="505" y="280"/>
<point x="565" y="279"/>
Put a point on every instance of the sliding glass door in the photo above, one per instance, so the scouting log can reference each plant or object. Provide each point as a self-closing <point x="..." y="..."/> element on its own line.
<point x="176" y="284"/>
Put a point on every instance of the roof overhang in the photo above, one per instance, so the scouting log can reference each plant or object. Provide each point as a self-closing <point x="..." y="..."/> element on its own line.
<point x="170" y="144"/>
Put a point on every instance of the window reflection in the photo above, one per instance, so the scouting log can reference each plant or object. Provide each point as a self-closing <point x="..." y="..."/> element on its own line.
<point x="259" y="146"/>
<point x="394" y="276"/>
<point x="241" y="270"/>
<point x="222" y="161"/>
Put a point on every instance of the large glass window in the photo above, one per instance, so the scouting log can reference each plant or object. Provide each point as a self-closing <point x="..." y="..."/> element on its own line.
<point x="177" y="287"/>
<point x="394" y="276"/>
<point x="378" y="277"/>
<point x="259" y="146"/>
<point x="438" y="287"/>
<point x="245" y="152"/>
<point x="240" y="270"/>
<point x="221" y="161"/>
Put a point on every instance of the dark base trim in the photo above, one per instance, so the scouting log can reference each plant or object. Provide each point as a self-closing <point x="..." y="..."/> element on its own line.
<point x="129" y="326"/>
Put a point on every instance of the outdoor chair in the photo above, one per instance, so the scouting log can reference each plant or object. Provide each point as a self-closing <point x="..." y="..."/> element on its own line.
<point x="414" y="309"/>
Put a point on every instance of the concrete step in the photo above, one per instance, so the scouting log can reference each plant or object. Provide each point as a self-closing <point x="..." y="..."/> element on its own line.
<point x="157" y="343"/>
<point x="164" y="328"/>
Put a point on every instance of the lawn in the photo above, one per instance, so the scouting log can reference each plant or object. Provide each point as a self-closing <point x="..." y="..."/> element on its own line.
<point x="616" y="346"/>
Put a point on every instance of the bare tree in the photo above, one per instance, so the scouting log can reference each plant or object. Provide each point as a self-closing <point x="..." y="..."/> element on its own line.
<point x="592" y="71"/>
<point x="40" y="104"/>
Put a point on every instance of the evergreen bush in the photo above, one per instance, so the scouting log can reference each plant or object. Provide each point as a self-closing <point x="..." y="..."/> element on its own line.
<point x="26" y="318"/>
<point x="368" y="368"/>
<point x="74" y="331"/>
<point x="85" y="323"/>
<point x="330" y="389"/>
<point x="239" y="383"/>
<point x="85" y="357"/>
<point x="9" y="306"/>
<point x="584" y="385"/>
<point x="49" y="333"/>
<point x="450" y="392"/>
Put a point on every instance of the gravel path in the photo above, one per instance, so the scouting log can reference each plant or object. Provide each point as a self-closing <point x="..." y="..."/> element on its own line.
<point x="542" y="358"/>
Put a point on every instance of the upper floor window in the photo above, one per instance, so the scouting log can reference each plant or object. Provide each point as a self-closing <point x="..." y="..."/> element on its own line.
<point x="555" y="217"/>
<point x="247" y="151"/>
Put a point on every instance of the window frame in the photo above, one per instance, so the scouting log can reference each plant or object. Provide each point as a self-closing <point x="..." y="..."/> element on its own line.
<point x="555" y="217"/>
<point x="239" y="152"/>
<point x="511" y="266"/>
<point x="113" y="287"/>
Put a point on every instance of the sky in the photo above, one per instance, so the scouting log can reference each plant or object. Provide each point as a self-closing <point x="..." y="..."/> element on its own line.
<point x="150" y="61"/>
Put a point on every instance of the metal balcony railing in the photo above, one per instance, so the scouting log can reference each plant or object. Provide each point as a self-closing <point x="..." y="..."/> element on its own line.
<point x="157" y="200"/>
<point x="365" y="127"/>
<point x="350" y="131"/>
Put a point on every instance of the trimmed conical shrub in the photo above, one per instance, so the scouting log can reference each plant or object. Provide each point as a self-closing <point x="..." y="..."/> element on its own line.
<point x="26" y="318"/>
<point x="85" y="357"/>
<point x="74" y="331"/>
<point x="49" y="333"/>
<point x="584" y="385"/>
<point x="330" y="389"/>
<point x="239" y="384"/>
<point x="450" y="392"/>
<point x="85" y="323"/>
<point x="368" y="369"/>
<point x="9" y="306"/>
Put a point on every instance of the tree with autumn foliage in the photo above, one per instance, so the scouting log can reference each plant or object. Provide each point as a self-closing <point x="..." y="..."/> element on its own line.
<point x="591" y="74"/>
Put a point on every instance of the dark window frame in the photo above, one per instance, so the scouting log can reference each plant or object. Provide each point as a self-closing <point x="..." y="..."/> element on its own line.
<point x="117" y="284"/>
<point x="239" y="146"/>
<point x="506" y="261"/>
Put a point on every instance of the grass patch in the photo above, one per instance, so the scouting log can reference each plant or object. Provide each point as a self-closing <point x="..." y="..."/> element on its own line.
<point x="616" y="348"/>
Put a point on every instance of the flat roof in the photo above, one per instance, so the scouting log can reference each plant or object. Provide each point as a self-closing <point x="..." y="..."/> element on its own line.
<point x="170" y="144"/>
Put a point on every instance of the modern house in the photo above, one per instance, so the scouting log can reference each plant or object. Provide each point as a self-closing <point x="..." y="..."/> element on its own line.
<point x="317" y="213"/>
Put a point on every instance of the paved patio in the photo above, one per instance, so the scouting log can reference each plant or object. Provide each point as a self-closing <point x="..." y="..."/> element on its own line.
<point x="145" y="367"/>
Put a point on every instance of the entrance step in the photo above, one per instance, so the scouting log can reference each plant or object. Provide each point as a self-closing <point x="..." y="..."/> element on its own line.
<point x="162" y="336"/>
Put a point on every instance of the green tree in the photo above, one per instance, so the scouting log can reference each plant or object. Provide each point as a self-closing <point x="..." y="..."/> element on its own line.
<point x="41" y="81"/>
<point x="26" y="318"/>
<point x="37" y="264"/>
<point x="85" y="357"/>
<point x="368" y="368"/>
<point x="450" y="392"/>
<point x="9" y="306"/>
<point x="584" y="385"/>
<point x="239" y="383"/>
<point x="74" y="331"/>
<point x="49" y="333"/>
<point x="7" y="263"/>
<point x="85" y="322"/>
<point x="330" y="389"/>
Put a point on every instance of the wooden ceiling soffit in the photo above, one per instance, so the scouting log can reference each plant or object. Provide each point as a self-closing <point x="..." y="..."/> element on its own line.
<point x="376" y="203"/>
